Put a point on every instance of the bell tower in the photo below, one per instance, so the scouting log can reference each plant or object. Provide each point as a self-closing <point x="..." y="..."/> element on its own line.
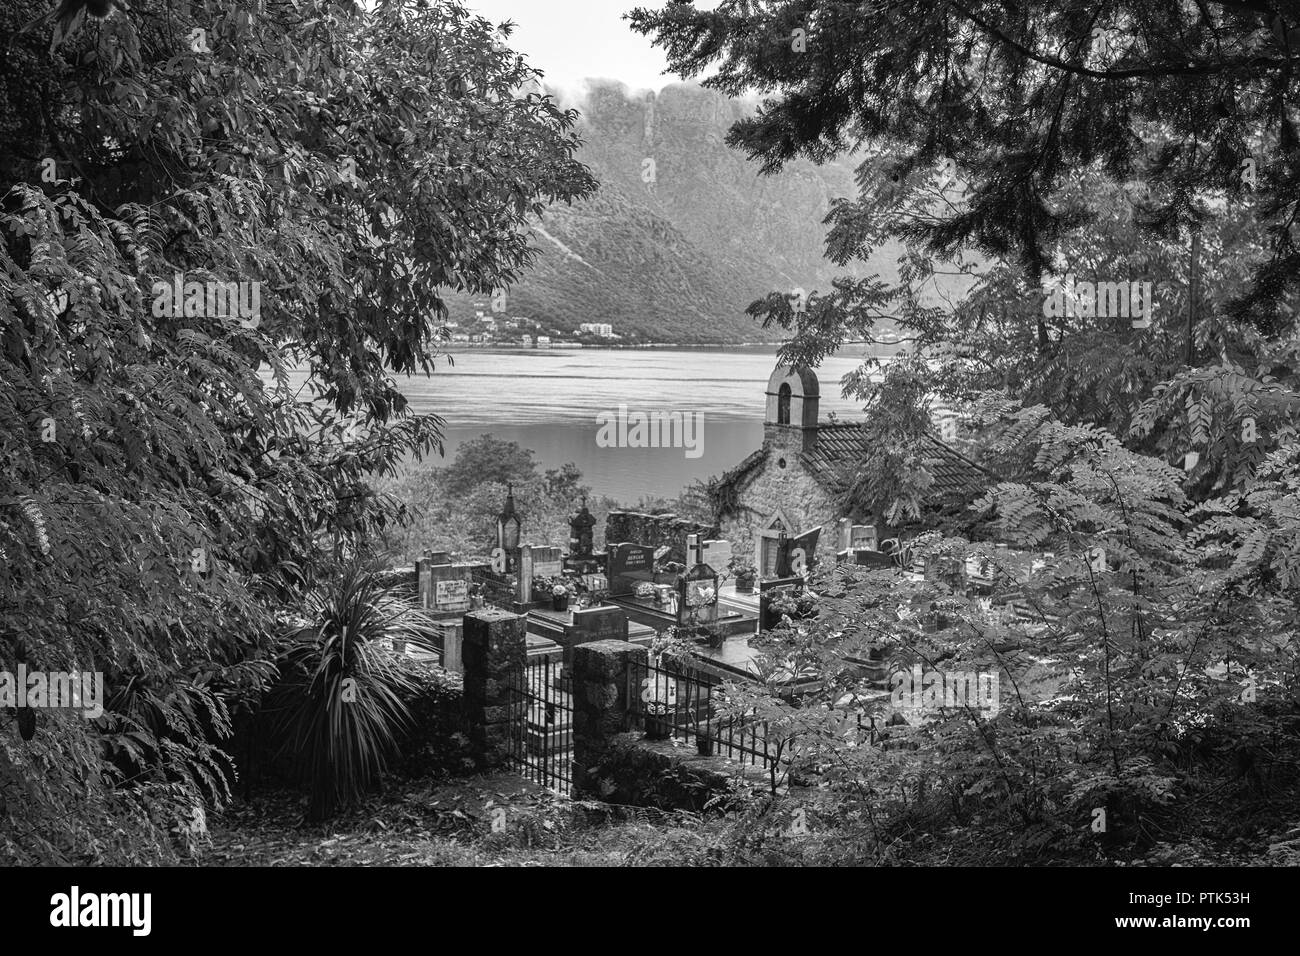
<point x="791" y="420"/>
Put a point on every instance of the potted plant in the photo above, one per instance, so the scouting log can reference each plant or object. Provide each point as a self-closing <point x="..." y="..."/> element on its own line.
<point x="560" y="596"/>
<point x="746" y="574"/>
<point x="476" y="597"/>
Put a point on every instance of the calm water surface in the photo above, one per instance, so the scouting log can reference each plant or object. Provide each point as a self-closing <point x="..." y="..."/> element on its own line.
<point x="548" y="400"/>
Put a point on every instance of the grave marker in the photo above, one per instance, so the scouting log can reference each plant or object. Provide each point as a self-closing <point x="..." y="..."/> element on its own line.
<point x="630" y="565"/>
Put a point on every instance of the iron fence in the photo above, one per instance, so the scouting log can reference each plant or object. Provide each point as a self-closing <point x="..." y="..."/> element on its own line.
<point x="541" y="726"/>
<point x="683" y="703"/>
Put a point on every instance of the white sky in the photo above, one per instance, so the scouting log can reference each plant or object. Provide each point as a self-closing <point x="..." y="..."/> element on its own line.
<point x="573" y="40"/>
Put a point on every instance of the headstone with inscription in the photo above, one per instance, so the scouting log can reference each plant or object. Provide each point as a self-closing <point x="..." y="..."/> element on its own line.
<point x="594" y="624"/>
<point x="630" y="565"/>
<point x="444" y="588"/>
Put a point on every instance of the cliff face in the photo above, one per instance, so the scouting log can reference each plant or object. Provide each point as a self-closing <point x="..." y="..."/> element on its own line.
<point x="684" y="233"/>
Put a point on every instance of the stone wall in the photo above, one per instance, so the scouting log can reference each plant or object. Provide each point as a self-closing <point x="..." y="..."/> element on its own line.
<point x="617" y="766"/>
<point x="657" y="773"/>
<point x="655" y="531"/>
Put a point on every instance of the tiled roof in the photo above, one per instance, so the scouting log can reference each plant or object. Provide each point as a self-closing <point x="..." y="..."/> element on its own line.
<point x="840" y="446"/>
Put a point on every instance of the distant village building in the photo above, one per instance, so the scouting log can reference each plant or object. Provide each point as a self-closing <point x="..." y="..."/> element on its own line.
<point x="603" y="329"/>
<point x="543" y="341"/>
<point x="796" y="482"/>
<point x="526" y="341"/>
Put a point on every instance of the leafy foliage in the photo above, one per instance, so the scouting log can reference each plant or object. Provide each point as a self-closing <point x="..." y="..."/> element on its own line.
<point x="1153" y="654"/>
<point x="340" y="703"/>
<point x="455" y="508"/>
<point x="164" y="495"/>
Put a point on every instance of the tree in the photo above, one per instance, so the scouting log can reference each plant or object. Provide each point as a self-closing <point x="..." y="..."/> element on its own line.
<point x="1133" y="140"/>
<point x="163" y="491"/>
<point x="1026" y="140"/>
<point x="487" y="459"/>
<point x="455" y="508"/>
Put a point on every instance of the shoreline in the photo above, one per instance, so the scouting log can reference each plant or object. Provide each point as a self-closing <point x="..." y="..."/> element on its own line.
<point x="603" y="346"/>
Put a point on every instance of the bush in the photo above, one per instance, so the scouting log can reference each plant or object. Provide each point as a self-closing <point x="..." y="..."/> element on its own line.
<point x="433" y="742"/>
<point x="340" y="705"/>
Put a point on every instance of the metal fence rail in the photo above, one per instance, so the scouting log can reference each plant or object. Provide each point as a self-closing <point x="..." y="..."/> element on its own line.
<point x="540" y="722"/>
<point x="686" y="704"/>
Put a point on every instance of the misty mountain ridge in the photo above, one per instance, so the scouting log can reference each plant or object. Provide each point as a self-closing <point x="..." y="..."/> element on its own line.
<point x="683" y="233"/>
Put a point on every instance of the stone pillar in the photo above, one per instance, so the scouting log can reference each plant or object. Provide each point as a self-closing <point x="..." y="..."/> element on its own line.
<point x="494" y="654"/>
<point x="600" y="698"/>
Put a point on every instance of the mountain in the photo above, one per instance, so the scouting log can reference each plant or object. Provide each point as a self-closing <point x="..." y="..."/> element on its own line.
<point x="677" y="259"/>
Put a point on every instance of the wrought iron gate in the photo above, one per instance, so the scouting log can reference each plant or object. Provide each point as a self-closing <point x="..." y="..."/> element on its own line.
<point x="541" y="726"/>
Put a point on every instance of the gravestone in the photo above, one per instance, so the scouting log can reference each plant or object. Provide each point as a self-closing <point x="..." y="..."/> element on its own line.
<point x="548" y="562"/>
<point x="444" y="588"/>
<point x="630" y="565"/>
<point x="451" y="594"/>
<point x="593" y="624"/>
<point x="698" y="604"/>
<point x="767" y="590"/>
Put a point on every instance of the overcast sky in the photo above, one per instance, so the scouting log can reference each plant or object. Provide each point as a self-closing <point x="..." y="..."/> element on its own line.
<point x="573" y="40"/>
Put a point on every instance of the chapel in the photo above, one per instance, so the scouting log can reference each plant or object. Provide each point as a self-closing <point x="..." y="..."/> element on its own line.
<point x="795" y="484"/>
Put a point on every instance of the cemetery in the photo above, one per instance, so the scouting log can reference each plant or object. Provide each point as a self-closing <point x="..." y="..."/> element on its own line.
<point x="655" y="577"/>
<point x="1006" y="572"/>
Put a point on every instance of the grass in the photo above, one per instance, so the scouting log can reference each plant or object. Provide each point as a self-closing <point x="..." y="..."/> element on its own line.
<point x="451" y="824"/>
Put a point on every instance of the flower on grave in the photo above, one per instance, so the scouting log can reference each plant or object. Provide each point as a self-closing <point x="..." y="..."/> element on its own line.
<point x="701" y="597"/>
<point x="645" y="589"/>
<point x="559" y="590"/>
<point x="783" y="602"/>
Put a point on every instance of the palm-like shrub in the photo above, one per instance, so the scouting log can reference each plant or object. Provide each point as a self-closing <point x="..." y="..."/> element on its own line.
<point x="338" y="710"/>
